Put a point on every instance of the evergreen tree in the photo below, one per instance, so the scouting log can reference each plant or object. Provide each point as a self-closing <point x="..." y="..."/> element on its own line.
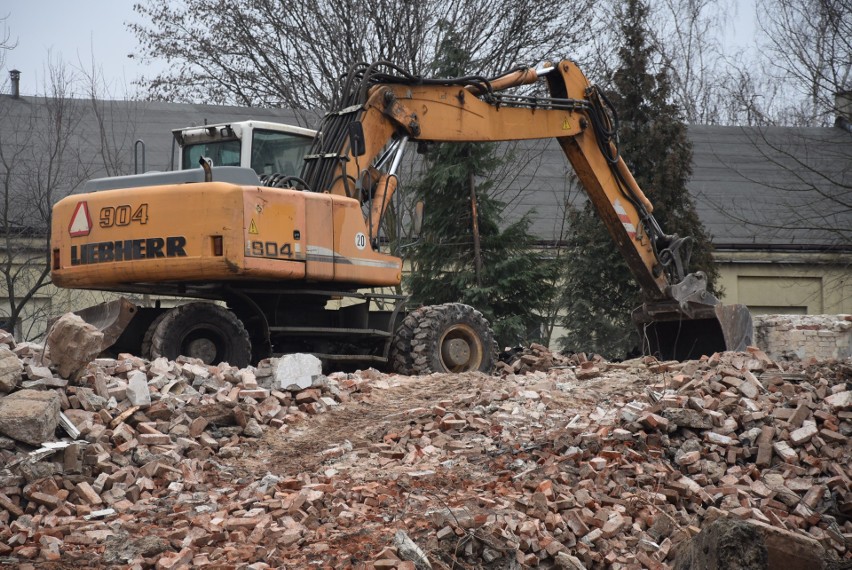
<point x="503" y="277"/>
<point x="600" y="292"/>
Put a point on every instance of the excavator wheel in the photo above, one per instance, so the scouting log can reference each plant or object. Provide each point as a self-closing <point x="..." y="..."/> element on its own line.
<point x="200" y="330"/>
<point x="444" y="338"/>
<point x="401" y="357"/>
<point x="148" y="339"/>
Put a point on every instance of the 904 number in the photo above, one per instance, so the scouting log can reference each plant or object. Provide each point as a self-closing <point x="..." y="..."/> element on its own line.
<point x="268" y="249"/>
<point x="123" y="215"/>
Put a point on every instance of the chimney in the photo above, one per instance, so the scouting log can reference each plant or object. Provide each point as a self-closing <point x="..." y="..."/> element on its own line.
<point x="843" y="108"/>
<point x="15" y="76"/>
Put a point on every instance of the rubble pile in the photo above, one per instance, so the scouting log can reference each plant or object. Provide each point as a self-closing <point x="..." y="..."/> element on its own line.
<point x="539" y="358"/>
<point x="579" y="463"/>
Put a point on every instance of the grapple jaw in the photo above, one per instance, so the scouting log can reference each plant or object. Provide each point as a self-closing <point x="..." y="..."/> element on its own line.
<point x="693" y="323"/>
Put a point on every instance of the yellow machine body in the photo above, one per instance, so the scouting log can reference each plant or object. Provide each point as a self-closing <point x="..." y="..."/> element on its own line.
<point x="117" y="239"/>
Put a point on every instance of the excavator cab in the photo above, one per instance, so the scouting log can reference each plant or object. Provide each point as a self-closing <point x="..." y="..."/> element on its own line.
<point x="270" y="149"/>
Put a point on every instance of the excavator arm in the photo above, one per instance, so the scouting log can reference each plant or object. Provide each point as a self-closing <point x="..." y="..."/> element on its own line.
<point x="360" y="145"/>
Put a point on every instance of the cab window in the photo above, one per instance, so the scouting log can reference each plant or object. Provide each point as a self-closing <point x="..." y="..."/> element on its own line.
<point x="278" y="153"/>
<point x="222" y="153"/>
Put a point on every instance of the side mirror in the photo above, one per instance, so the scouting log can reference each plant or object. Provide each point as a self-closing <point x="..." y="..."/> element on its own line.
<point x="356" y="139"/>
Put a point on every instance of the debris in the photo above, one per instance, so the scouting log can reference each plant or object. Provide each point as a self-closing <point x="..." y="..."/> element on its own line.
<point x="68" y="426"/>
<point x="30" y="416"/>
<point x="725" y="544"/>
<point x="296" y="372"/>
<point x="11" y="370"/>
<point x="840" y="402"/>
<point x="732" y="544"/>
<point x="211" y="466"/>
<point x="252" y="429"/>
<point x="72" y="343"/>
<point x="137" y="391"/>
<point x="408" y="550"/>
<point x="99" y="514"/>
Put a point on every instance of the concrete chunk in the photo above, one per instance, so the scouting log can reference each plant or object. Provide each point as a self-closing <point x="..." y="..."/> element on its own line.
<point x="11" y="370"/>
<point x="684" y="417"/>
<point x="840" y="401"/>
<point x="296" y="371"/>
<point x="137" y="389"/>
<point x="804" y="434"/>
<point x="72" y="343"/>
<point x="30" y="416"/>
<point x="785" y="452"/>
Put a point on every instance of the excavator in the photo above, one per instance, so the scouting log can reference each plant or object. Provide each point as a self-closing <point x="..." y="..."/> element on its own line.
<point x="293" y="262"/>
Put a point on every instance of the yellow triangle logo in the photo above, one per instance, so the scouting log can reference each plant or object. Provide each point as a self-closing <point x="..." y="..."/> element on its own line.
<point x="252" y="227"/>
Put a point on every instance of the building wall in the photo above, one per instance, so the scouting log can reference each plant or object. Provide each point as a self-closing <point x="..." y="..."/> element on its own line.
<point x="801" y="337"/>
<point x="770" y="282"/>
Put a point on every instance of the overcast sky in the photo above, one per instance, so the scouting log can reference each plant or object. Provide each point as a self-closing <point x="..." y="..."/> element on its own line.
<point x="78" y="31"/>
<point x="82" y="31"/>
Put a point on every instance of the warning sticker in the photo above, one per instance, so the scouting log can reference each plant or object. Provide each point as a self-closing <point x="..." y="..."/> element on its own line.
<point x="81" y="221"/>
<point x="625" y="219"/>
<point x="253" y="227"/>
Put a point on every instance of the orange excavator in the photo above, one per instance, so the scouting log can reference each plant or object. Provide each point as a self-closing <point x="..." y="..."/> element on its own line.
<point x="281" y="265"/>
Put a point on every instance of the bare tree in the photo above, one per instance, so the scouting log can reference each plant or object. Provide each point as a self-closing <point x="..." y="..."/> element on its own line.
<point x="808" y="63"/>
<point x="686" y="40"/>
<point x="809" y="48"/>
<point x="114" y="122"/>
<point x="38" y="165"/>
<point x="751" y="98"/>
<point x="292" y="52"/>
<point x="6" y="42"/>
<point x="800" y="58"/>
<point x="806" y="180"/>
<point x="49" y="145"/>
<point x="687" y="35"/>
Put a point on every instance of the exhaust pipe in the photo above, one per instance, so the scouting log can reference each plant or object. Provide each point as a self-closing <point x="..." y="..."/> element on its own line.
<point x="208" y="171"/>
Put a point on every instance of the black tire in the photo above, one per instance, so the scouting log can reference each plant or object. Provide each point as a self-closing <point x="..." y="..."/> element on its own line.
<point x="148" y="339"/>
<point x="444" y="338"/>
<point x="201" y="330"/>
<point x="401" y="357"/>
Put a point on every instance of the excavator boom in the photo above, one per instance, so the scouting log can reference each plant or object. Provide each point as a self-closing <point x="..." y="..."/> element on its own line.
<point x="679" y="319"/>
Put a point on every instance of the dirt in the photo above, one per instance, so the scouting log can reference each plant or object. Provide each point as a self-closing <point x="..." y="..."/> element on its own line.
<point x="413" y="496"/>
<point x="727" y="544"/>
<point x="385" y="411"/>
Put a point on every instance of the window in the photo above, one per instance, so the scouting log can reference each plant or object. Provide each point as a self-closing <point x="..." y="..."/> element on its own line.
<point x="222" y="153"/>
<point x="278" y="153"/>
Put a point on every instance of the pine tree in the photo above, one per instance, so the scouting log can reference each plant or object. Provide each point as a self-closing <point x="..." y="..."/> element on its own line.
<point x="504" y="277"/>
<point x="600" y="291"/>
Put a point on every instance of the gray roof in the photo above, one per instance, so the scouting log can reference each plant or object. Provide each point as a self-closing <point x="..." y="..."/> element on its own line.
<point x="124" y="122"/>
<point x="754" y="188"/>
<point x="774" y="186"/>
